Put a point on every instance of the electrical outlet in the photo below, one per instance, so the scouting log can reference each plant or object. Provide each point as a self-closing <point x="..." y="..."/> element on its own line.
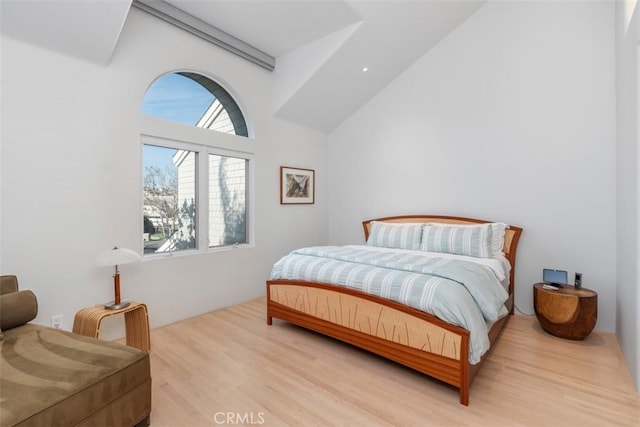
<point x="56" y="321"/>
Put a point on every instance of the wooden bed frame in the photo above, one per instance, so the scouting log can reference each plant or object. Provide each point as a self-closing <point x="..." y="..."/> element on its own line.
<point x="410" y="337"/>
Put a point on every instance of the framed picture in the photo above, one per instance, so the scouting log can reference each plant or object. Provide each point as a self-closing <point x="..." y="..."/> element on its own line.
<point x="297" y="186"/>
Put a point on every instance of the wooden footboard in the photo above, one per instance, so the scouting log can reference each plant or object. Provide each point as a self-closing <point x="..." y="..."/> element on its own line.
<point x="399" y="333"/>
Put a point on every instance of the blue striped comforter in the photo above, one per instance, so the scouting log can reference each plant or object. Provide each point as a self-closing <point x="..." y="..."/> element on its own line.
<point x="459" y="292"/>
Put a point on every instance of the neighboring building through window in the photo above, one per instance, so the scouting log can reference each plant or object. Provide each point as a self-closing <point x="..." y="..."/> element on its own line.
<point x="176" y="205"/>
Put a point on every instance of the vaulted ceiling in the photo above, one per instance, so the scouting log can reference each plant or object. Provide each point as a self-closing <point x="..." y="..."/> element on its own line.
<point x="321" y="47"/>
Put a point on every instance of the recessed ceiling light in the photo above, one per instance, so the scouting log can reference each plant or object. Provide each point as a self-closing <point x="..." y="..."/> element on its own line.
<point x="365" y="69"/>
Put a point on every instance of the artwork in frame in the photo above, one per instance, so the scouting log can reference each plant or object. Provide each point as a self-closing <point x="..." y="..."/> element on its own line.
<point x="297" y="186"/>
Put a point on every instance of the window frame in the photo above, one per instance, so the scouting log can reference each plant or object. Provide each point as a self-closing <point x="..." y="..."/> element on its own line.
<point x="202" y="191"/>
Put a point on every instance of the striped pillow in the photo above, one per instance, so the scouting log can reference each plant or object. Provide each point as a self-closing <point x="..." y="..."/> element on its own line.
<point x="395" y="236"/>
<point x="497" y="238"/>
<point x="467" y="240"/>
<point x="497" y="234"/>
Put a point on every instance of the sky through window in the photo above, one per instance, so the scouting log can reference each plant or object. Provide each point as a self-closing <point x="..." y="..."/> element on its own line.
<point x="177" y="98"/>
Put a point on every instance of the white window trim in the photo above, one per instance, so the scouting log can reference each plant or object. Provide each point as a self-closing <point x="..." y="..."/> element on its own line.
<point x="202" y="194"/>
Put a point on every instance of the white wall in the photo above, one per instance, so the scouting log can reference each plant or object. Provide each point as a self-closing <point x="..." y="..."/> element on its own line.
<point x="510" y="118"/>
<point x="628" y="183"/>
<point x="71" y="174"/>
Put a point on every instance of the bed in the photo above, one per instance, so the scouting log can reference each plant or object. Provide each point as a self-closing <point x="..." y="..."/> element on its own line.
<point x="390" y="295"/>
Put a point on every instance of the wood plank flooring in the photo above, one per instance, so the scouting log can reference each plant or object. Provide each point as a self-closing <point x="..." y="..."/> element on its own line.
<point x="229" y="368"/>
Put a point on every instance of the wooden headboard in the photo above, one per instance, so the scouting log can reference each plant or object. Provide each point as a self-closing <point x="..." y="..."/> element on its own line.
<point x="511" y="234"/>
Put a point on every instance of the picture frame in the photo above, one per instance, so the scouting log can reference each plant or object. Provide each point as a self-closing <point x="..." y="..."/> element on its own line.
<point x="297" y="186"/>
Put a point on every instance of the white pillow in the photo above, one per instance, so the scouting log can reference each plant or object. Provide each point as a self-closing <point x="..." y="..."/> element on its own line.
<point x="395" y="235"/>
<point x="497" y="238"/>
<point x="497" y="234"/>
<point x="467" y="240"/>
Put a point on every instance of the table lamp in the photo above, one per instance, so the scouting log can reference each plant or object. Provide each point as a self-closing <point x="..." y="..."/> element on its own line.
<point x="117" y="256"/>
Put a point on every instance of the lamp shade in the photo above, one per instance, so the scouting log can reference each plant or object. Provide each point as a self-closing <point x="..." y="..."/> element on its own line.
<point x="117" y="256"/>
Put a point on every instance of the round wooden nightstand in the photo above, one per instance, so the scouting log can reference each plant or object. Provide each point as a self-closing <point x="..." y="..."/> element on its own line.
<point x="567" y="312"/>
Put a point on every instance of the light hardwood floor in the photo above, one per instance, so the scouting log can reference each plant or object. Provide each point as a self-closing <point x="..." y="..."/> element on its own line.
<point x="229" y="368"/>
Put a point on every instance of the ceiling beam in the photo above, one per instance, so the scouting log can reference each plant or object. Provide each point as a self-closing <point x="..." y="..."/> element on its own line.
<point x="195" y="26"/>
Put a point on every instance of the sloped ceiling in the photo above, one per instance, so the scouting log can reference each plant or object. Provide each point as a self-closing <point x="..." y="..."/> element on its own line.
<point x="84" y="29"/>
<point x="391" y="36"/>
<point x="321" y="47"/>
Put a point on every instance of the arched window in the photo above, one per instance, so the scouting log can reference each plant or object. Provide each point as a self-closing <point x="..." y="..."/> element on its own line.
<point x="177" y="205"/>
<point x="196" y="100"/>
